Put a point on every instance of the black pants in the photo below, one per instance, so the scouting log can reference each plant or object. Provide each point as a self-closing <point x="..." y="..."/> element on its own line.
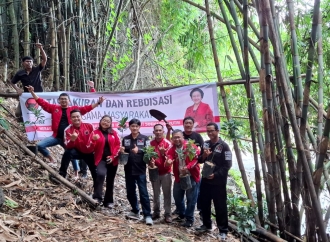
<point x="103" y="169"/>
<point x="76" y="154"/>
<point x="219" y="196"/>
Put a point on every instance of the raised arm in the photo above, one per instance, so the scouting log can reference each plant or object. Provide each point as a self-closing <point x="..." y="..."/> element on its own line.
<point x="31" y="90"/>
<point x="43" y="55"/>
<point x="169" y="128"/>
<point x="101" y="99"/>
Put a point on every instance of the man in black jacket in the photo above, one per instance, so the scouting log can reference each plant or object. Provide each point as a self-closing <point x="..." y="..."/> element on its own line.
<point x="135" y="171"/>
<point x="213" y="187"/>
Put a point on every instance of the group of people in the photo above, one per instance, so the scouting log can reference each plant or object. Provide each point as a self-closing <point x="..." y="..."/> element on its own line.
<point x="101" y="148"/>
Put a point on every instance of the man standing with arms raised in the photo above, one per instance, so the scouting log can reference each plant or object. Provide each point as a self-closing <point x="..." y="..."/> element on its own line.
<point x="164" y="180"/>
<point x="213" y="187"/>
<point x="29" y="76"/>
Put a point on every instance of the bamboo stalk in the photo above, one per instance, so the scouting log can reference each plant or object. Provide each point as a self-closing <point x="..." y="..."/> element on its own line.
<point x="298" y="139"/>
<point x="15" y="38"/>
<point x="251" y="110"/>
<point x="52" y="37"/>
<point x="2" y="34"/>
<point x="295" y="55"/>
<point x="25" y="9"/>
<point x="310" y="60"/>
<point x="320" y="81"/>
<point x="232" y="40"/>
<point x="139" y="33"/>
<point x="110" y="37"/>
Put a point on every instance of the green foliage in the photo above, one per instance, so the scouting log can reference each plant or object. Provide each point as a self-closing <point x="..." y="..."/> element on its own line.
<point x="39" y="117"/>
<point x="11" y="204"/>
<point x="240" y="209"/>
<point x="237" y="177"/>
<point x="4" y="123"/>
<point x="149" y="153"/>
<point x="122" y="125"/>
<point x="190" y="151"/>
<point x="232" y="127"/>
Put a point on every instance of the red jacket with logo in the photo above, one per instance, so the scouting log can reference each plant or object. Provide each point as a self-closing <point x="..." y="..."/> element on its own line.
<point x="98" y="146"/>
<point x="84" y="132"/>
<point x="160" y="161"/>
<point x="56" y="111"/>
<point x="192" y="165"/>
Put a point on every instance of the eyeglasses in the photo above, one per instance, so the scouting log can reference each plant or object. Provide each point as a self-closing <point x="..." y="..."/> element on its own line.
<point x="210" y="131"/>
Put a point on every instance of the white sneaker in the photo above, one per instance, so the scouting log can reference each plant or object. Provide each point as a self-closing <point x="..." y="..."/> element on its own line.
<point x="222" y="237"/>
<point x="149" y="221"/>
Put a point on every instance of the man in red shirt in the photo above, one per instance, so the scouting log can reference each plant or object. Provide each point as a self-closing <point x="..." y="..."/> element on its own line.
<point x="60" y="119"/>
<point x="184" y="158"/>
<point x="165" y="179"/>
<point x="76" y="137"/>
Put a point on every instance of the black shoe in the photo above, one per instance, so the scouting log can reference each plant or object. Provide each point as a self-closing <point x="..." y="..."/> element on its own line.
<point x="178" y="219"/>
<point x="155" y="216"/>
<point x="175" y="212"/>
<point x="187" y="224"/>
<point x="109" y="205"/>
<point x="203" y="229"/>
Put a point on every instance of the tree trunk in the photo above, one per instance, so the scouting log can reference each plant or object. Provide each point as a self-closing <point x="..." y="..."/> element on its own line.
<point x="298" y="139"/>
<point x="26" y="39"/>
<point x="15" y="38"/>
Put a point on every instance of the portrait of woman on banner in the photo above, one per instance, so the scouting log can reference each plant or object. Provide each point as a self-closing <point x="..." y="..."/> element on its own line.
<point x="199" y="111"/>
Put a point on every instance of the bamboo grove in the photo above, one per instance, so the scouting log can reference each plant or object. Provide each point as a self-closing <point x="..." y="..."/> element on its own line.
<point x="115" y="44"/>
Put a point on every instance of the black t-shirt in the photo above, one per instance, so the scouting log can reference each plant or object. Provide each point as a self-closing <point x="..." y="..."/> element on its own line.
<point x="196" y="137"/>
<point x="63" y="124"/>
<point x="33" y="79"/>
<point x="106" y="148"/>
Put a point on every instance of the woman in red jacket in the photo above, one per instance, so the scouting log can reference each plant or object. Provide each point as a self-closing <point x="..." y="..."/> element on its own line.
<point x="106" y="144"/>
<point x="199" y="111"/>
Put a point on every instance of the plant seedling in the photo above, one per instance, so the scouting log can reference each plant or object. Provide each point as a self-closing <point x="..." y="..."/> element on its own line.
<point x="149" y="153"/>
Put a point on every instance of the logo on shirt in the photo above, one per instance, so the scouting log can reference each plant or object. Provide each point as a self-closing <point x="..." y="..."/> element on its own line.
<point x="86" y="132"/>
<point x="218" y="148"/>
<point x="31" y="104"/>
<point x="56" y="110"/>
<point x="228" y="155"/>
<point x="140" y="142"/>
<point x="127" y="142"/>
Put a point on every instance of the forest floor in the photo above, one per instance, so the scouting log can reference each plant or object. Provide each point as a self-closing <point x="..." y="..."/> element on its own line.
<point x="36" y="209"/>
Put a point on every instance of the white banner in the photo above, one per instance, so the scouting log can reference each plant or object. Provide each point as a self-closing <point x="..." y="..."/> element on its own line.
<point x="198" y="101"/>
